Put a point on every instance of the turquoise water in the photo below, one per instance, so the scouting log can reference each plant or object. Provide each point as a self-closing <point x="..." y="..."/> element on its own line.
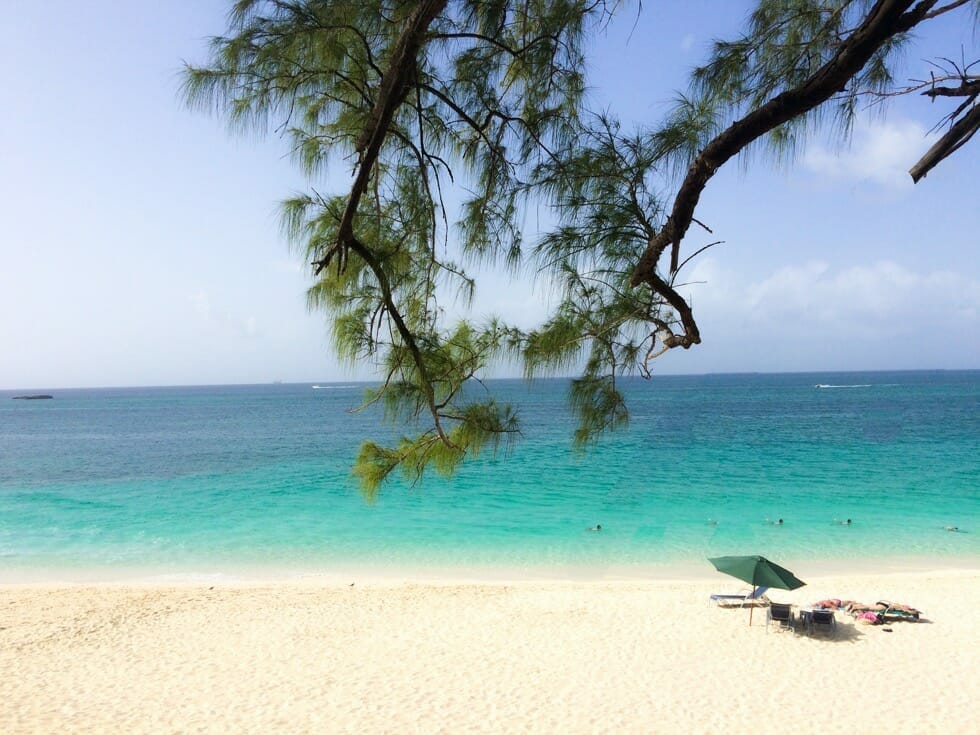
<point x="217" y="478"/>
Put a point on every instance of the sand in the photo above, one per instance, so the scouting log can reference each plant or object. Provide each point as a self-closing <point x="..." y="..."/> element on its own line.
<point x="544" y="656"/>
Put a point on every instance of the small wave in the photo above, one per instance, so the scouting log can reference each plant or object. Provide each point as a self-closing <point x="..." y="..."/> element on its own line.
<point x="824" y="385"/>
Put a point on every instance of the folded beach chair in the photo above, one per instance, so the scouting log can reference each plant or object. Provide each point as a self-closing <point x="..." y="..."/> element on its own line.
<point x="780" y="614"/>
<point x="742" y="599"/>
<point x="822" y="619"/>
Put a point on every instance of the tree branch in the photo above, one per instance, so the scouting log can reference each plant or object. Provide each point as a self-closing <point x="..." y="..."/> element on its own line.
<point x="960" y="132"/>
<point x="886" y="19"/>
<point x="966" y="89"/>
<point x="394" y="86"/>
<point x="944" y="9"/>
<point x="406" y="334"/>
<point x="516" y="53"/>
<point x="692" y="335"/>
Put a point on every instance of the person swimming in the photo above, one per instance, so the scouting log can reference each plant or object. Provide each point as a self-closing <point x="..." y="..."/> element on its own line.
<point x="954" y="529"/>
<point x="843" y="523"/>
<point x="777" y="522"/>
<point x="596" y="527"/>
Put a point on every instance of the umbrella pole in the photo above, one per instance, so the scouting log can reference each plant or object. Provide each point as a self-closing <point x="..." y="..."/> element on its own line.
<point x="752" y="606"/>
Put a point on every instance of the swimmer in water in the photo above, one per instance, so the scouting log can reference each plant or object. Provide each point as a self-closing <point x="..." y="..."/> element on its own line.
<point x="954" y="529"/>
<point x="596" y="527"/>
<point x="777" y="522"/>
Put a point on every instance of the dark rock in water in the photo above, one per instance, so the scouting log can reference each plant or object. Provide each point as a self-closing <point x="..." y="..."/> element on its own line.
<point x="32" y="398"/>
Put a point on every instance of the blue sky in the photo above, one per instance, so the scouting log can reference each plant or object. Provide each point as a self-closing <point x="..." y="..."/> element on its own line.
<point x="141" y="244"/>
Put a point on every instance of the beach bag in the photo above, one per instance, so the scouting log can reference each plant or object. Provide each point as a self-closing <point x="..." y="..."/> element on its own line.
<point x="868" y="618"/>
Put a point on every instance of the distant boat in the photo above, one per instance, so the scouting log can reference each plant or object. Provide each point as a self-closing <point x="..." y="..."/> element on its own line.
<point x="36" y="397"/>
<point x="317" y="387"/>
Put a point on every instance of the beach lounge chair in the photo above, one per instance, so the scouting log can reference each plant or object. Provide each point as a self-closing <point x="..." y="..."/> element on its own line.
<point x="893" y="612"/>
<point x="781" y="614"/>
<point x="742" y="599"/>
<point x="820" y="618"/>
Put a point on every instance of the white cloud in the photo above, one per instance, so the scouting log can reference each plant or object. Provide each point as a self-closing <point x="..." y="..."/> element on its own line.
<point x="880" y="299"/>
<point x="880" y="152"/>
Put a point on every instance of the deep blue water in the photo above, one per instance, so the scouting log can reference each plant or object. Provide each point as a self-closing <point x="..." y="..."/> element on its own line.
<point x="236" y="476"/>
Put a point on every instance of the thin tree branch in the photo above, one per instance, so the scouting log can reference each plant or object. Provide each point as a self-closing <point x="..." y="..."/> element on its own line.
<point x="945" y="9"/>
<point x="966" y="89"/>
<point x="957" y="136"/>
<point x="516" y="53"/>
<point x="695" y="254"/>
<point x="406" y="334"/>
<point x="394" y="86"/>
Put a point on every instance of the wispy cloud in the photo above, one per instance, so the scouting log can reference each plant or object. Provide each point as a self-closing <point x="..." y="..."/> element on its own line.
<point x="883" y="298"/>
<point x="880" y="152"/>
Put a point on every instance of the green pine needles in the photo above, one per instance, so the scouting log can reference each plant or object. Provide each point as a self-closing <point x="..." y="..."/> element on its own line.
<point x="455" y="119"/>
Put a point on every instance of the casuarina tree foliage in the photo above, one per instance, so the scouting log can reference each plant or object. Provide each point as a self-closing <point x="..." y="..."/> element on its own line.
<point x="456" y="117"/>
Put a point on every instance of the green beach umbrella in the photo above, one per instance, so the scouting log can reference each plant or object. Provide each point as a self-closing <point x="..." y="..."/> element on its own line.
<point x="757" y="571"/>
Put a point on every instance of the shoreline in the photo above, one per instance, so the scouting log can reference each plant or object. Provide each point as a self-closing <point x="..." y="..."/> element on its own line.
<point x="477" y="574"/>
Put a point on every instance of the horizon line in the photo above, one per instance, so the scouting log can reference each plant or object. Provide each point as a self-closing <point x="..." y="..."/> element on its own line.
<point x="357" y="382"/>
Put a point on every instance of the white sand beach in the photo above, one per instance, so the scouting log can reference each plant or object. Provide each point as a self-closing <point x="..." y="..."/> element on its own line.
<point x="392" y="656"/>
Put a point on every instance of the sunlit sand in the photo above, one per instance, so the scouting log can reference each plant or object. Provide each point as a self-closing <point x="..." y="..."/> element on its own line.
<point x="550" y="656"/>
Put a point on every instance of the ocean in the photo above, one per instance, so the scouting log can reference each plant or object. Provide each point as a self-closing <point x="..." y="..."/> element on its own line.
<point x="220" y="479"/>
